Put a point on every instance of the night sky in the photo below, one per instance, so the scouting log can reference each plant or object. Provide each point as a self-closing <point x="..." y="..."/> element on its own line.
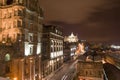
<point x="92" y="20"/>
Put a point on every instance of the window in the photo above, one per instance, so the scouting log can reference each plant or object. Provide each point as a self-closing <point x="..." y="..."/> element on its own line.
<point x="15" y="13"/>
<point x="5" y="15"/>
<point x="7" y="57"/>
<point x="7" y="69"/>
<point x="8" y="2"/>
<point x="3" y="38"/>
<point x="5" y="27"/>
<point x="41" y="12"/>
<point x="31" y="50"/>
<point x="9" y="26"/>
<point x="30" y="37"/>
<point x="52" y="49"/>
<point x="19" y="37"/>
<point x="19" y="23"/>
<point x="20" y="1"/>
<point x="19" y="12"/>
<point x="15" y="23"/>
<point x="9" y="15"/>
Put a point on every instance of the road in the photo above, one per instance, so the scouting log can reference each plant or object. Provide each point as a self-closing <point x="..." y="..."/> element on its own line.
<point x="64" y="73"/>
<point x="67" y="71"/>
<point x="70" y="73"/>
<point x="113" y="73"/>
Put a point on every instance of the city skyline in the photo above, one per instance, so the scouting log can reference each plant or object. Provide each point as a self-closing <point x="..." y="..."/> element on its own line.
<point x="93" y="21"/>
<point x="34" y="47"/>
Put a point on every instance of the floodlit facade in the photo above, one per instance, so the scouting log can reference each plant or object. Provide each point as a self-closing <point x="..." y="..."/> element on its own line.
<point x="80" y="49"/>
<point x="71" y="38"/>
<point x="52" y="49"/>
<point x="20" y="39"/>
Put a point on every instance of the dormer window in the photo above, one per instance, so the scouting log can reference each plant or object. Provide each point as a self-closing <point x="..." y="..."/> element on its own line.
<point x="8" y="2"/>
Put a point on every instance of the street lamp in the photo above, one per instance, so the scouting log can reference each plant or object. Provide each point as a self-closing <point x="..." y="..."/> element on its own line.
<point x="15" y="78"/>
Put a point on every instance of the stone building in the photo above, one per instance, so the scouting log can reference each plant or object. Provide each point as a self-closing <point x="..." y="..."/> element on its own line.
<point x="70" y="46"/>
<point x="89" y="71"/>
<point x="20" y="39"/>
<point x="52" y="49"/>
<point x="71" y="38"/>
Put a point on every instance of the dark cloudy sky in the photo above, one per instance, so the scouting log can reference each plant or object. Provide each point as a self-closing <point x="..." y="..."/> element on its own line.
<point x="94" y="20"/>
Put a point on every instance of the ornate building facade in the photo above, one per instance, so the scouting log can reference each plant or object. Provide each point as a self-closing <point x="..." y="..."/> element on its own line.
<point x="52" y="49"/>
<point x="20" y="39"/>
<point x="70" y="46"/>
<point x="71" y="38"/>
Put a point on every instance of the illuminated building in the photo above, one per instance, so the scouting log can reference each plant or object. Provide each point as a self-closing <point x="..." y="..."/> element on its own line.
<point x="72" y="38"/>
<point x="116" y="47"/>
<point x="52" y="49"/>
<point x="20" y="39"/>
<point x="80" y="49"/>
<point x="89" y="71"/>
<point x="70" y="46"/>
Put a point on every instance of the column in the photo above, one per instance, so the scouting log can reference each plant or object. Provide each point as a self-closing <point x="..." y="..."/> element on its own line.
<point x="21" y="69"/>
<point x="4" y="2"/>
<point x="40" y="71"/>
<point x="31" y="69"/>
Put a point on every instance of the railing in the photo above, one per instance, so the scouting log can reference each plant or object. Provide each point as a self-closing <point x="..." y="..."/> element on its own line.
<point x="105" y="75"/>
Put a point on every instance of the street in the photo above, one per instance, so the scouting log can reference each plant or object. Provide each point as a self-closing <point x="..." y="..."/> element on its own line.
<point x="66" y="72"/>
<point x="112" y="72"/>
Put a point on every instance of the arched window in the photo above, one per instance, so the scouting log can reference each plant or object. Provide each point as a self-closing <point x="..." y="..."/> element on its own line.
<point x="15" y="23"/>
<point x="7" y="57"/>
<point x="19" y="12"/>
<point x="16" y="13"/>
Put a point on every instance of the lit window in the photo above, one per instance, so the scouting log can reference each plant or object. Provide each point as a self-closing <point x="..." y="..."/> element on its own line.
<point x="30" y="37"/>
<point x="31" y="50"/>
<point x="52" y="55"/>
<point x="7" y="57"/>
<point x="21" y="1"/>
